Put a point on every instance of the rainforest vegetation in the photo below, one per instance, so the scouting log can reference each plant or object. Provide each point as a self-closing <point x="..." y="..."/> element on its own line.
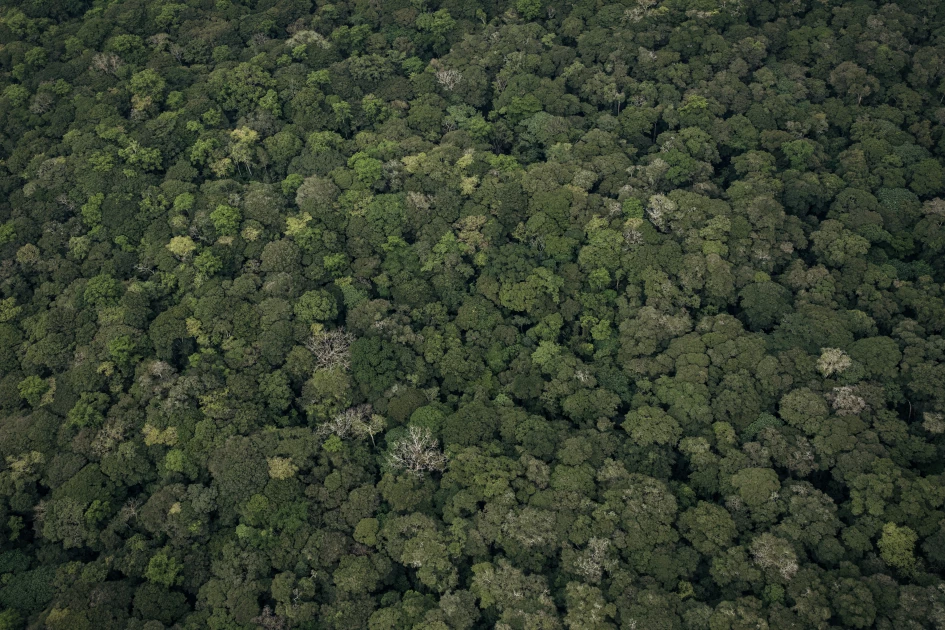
<point x="461" y="314"/>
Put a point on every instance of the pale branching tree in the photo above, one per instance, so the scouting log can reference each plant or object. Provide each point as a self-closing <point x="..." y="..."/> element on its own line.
<point x="343" y="423"/>
<point x="109" y="63"/>
<point x="417" y="453"/>
<point x="156" y="377"/>
<point x="331" y="349"/>
<point x="110" y="436"/>
<point x="632" y="235"/>
<point x="355" y="422"/>
<point x="775" y="554"/>
<point x="933" y="422"/>
<point x="305" y="37"/>
<point x="845" y="401"/>
<point x="449" y="78"/>
<point x="659" y="210"/>
<point x="129" y="511"/>
<point x="267" y="620"/>
<point x="159" y="41"/>
<point x="419" y="201"/>
<point x="591" y="561"/>
<point x="639" y="12"/>
<point x="42" y="103"/>
<point x="833" y="361"/>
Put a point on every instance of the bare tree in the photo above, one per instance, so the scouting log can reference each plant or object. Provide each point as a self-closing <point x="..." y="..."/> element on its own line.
<point x="632" y="235"/>
<point x="343" y="424"/>
<point x="157" y="376"/>
<point x="111" y="435"/>
<point x="109" y="63"/>
<point x="371" y="427"/>
<point x="933" y="422"/>
<point x="267" y="620"/>
<point x="845" y="401"/>
<point x="305" y="37"/>
<point x="160" y="41"/>
<point x="129" y="510"/>
<point x="590" y="562"/>
<point x="331" y="349"/>
<point x="833" y="361"/>
<point x="42" y="103"/>
<point x="449" y="78"/>
<point x="771" y="552"/>
<point x="639" y="12"/>
<point x="64" y="201"/>
<point x="417" y="453"/>
<point x="357" y="422"/>
<point x="419" y="201"/>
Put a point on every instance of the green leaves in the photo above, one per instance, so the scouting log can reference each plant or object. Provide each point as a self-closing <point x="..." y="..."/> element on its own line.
<point x="102" y="290"/>
<point x="316" y="306"/>
<point x="32" y="389"/>
<point x="164" y="569"/>
<point x="366" y="168"/>
<point x="546" y="353"/>
<point x="226" y="220"/>
<point x="89" y="410"/>
<point x="652" y="425"/>
<point x="896" y="547"/>
<point x="516" y="315"/>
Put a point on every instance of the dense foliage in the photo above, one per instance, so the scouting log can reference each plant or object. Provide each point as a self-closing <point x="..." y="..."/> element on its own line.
<point x="525" y="314"/>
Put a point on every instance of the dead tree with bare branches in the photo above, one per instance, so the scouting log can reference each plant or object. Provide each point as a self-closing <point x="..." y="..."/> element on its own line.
<point x="417" y="453"/>
<point x="332" y="349"/>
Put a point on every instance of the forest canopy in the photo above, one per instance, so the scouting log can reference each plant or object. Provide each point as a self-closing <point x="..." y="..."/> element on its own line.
<point x="440" y="314"/>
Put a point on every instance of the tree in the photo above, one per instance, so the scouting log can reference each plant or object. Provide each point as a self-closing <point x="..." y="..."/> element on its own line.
<point x="102" y="290"/>
<point x="88" y="410"/>
<point x="367" y="169"/>
<point x="226" y="220"/>
<point x="331" y="349"/>
<point x="764" y="304"/>
<point x="32" y="389"/>
<point x="242" y="146"/>
<point x="528" y="9"/>
<point x="147" y="89"/>
<point x="928" y="178"/>
<point x="851" y="80"/>
<point x="357" y="422"/>
<point x="164" y="569"/>
<point x="804" y="409"/>
<point x="182" y="247"/>
<point x="652" y="425"/>
<point x="416" y="453"/>
<point x="896" y="546"/>
<point x="281" y="467"/>
<point x="710" y="528"/>
<point x="316" y="306"/>
<point x="587" y="608"/>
